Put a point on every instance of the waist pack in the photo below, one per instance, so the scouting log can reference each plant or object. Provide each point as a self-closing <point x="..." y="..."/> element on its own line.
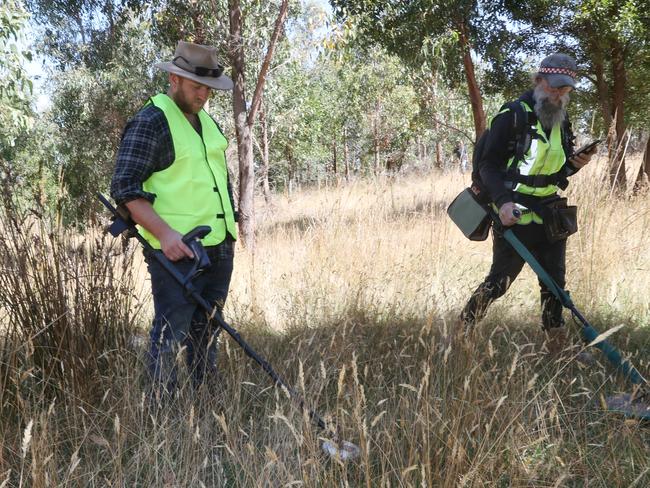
<point x="470" y="215"/>
<point x="560" y="220"/>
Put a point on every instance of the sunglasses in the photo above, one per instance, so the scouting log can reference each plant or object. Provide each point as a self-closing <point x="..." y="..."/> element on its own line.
<point x="199" y="70"/>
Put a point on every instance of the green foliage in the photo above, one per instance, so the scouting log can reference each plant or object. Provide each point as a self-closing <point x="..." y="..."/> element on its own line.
<point x="15" y="87"/>
<point x="410" y="30"/>
<point x="82" y="32"/>
<point x="208" y="23"/>
<point x="591" y="30"/>
<point x="68" y="154"/>
<point x="314" y="110"/>
<point x="428" y="32"/>
<point x="383" y="85"/>
<point x="90" y="107"/>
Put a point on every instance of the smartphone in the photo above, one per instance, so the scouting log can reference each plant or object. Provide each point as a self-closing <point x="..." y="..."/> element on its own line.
<point x="587" y="147"/>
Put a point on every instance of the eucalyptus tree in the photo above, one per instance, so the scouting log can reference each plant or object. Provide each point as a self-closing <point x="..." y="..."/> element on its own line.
<point x="99" y="55"/>
<point x="614" y="36"/>
<point x="611" y="41"/>
<point x="16" y="116"/>
<point x="413" y="30"/>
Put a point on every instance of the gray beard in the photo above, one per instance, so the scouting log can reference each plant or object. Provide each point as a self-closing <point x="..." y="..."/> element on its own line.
<point x="548" y="113"/>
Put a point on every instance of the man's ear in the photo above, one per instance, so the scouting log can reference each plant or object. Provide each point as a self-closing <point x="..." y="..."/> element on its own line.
<point x="173" y="80"/>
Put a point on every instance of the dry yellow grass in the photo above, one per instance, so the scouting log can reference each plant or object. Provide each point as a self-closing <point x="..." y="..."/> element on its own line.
<point x="349" y="294"/>
<point x="388" y="246"/>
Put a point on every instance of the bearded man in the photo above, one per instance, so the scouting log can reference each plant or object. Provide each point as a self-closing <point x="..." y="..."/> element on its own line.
<point x="171" y="176"/>
<point x="528" y="179"/>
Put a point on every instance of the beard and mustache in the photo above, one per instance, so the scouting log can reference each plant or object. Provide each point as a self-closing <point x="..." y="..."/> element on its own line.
<point x="549" y="112"/>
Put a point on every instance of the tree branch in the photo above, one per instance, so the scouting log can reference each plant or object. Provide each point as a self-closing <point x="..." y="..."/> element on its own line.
<point x="460" y="131"/>
<point x="590" y="78"/>
<point x="261" y="78"/>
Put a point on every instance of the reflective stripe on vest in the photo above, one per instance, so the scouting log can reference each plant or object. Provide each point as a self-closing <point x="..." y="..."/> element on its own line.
<point x="193" y="190"/>
<point x="544" y="157"/>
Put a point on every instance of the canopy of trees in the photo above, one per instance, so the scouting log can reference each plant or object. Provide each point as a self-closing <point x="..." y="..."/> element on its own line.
<point x="323" y="93"/>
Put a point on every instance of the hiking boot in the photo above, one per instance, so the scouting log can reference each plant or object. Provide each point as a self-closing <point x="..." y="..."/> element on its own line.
<point x="556" y="340"/>
<point x="459" y="334"/>
<point x="557" y="343"/>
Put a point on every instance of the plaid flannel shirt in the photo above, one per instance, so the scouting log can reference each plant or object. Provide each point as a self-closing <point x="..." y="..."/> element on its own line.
<point x="146" y="147"/>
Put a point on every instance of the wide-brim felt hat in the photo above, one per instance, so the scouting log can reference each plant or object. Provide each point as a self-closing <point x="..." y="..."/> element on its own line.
<point x="559" y="70"/>
<point x="198" y="63"/>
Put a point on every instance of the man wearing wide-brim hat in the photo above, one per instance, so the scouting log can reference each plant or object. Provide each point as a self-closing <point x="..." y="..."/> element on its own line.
<point x="171" y="175"/>
<point x="524" y="160"/>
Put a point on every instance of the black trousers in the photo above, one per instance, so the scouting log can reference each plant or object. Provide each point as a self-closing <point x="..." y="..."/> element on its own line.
<point x="506" y="265"/>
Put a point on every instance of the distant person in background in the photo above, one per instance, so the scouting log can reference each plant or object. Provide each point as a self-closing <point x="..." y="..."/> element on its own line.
<point x="460" y="151"/>
<point x="171" y="175"/>
<point x="530" y="184"/>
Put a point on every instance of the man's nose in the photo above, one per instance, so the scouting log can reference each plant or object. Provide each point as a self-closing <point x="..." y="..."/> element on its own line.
<point x="204" y="92"/>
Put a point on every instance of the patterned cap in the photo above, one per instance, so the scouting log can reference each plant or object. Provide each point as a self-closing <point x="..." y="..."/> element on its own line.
<point x="559" y="70"/>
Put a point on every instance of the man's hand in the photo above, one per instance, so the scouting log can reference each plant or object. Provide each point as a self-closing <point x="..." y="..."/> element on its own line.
<point x="506" y="214"/>
<point x="173" y="247"/>
<point x="171" y="241"/>
<point x="582" y="159"/>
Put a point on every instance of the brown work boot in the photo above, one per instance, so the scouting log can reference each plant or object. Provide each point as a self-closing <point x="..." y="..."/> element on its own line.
<point x="459" y="334"/>
<point x="558" y="345"/>
<point x="556" y="340"/>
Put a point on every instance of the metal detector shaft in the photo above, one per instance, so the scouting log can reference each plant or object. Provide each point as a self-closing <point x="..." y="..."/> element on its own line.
<point x="588" y="332"/>
<point x="120" y="225"/>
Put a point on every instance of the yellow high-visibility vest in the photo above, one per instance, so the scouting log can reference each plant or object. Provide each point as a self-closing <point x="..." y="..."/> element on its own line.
<point x="193" y="190"/>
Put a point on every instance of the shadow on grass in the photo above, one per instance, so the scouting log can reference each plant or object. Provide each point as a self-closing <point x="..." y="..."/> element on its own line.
<point x="494" y="411"/>
<point x="304" y="223"/>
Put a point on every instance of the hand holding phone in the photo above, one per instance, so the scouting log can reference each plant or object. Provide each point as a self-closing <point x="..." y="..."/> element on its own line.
<point x="582" y="156"/>
<point x="587" y="148"/>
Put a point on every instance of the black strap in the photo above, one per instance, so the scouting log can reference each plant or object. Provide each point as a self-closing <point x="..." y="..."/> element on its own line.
<point x="525" y="132"/>
<point x="523" y="136"/>
<point x="536" y="204"/>
<point x="537" y="181"/>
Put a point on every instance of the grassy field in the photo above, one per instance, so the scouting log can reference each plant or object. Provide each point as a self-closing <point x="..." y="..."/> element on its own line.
<point x="351" y="294"/>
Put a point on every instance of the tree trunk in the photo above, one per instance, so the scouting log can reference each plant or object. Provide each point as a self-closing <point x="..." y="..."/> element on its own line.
<point x="244" y="121"/>
<point x="60" y="198"/>
<point x="472" y="85"/>
<point x="617" y="162"/>
<point x="242" y="129"/>
<point x="334" y="158"/>
<point x="643" y="177"/>
<point x="436" y="122"/>
<point x="261" y="78"/>
<point x="291" y="169"/>
<point x="602" y="91"/>
<point x="375" y="138"/>
<point x="346" y="154"/>
<point x="266" y="188"/>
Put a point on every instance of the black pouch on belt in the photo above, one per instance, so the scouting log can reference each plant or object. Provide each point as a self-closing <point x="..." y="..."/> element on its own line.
<point x="560" y="220"/>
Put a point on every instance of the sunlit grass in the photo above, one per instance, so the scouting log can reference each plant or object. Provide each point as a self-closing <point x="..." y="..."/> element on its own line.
<point x="352" y="294"/>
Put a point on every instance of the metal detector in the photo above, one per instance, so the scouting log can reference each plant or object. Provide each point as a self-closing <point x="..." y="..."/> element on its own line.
<point x="336" y="448"/>
<point x="469" y="213"/>
<point x="631" y="405"/>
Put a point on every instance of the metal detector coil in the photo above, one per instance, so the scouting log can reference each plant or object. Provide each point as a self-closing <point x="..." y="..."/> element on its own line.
<point x="628" y="405"/>
<point x="344" y="451"/>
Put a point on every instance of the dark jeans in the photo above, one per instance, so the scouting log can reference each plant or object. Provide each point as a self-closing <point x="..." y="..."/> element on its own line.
<point x="506" y="265"/>
<point x="178" y="321"/>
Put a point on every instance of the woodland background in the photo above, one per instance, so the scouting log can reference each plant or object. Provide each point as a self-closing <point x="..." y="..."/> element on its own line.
<point x="323" y="93"/>
<point x="351" y="129"/>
